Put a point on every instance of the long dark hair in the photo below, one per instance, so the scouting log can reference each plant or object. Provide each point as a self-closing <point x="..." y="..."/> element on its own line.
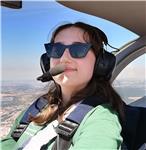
<point x="97" y="86"/>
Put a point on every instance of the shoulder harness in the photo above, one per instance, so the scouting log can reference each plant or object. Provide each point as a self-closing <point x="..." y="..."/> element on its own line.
<point x="133" y="128"/>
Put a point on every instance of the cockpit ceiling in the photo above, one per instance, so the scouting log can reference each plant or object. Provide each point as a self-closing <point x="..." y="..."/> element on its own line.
<point x="12" y="4"/>
<point x="129" y="14"/>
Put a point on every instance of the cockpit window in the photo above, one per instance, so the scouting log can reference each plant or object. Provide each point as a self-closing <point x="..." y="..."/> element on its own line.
<point x="131" y="82"/>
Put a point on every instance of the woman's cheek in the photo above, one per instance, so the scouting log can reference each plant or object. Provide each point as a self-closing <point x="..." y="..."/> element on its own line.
<point x="53" y="62"/>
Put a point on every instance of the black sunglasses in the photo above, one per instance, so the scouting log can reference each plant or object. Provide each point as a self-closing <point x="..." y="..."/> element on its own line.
<point x="77" y="50"/>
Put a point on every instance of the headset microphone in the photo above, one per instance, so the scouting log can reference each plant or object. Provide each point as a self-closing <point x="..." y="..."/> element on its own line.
<point x="47" y="76"/>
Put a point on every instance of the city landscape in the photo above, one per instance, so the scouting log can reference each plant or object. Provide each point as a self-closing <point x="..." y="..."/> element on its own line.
<point x="16" y="97"/>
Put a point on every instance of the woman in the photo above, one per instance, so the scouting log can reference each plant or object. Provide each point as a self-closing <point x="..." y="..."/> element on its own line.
<point x="79" y="48"/>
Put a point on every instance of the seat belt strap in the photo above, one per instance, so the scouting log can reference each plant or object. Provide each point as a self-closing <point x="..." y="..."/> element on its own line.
<point x="34" y="109"/>
<point x="65" y="131"/>
<point x="67" y="128"/>
<point x="83" y="108"/>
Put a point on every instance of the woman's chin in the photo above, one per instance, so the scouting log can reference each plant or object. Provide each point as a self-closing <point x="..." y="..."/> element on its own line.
<point x="66" y="80"/>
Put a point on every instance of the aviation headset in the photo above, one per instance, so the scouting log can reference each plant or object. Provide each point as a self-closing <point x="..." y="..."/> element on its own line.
<point x="104" y="66"/>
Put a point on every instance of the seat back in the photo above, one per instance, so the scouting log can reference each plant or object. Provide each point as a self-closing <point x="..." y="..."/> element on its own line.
<point x="134" y="127"/>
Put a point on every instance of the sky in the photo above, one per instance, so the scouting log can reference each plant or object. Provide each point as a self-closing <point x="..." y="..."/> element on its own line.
<point x="24" y="32"/>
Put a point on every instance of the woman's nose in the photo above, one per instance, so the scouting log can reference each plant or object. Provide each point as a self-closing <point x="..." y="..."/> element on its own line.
<point x="66" y="56"/>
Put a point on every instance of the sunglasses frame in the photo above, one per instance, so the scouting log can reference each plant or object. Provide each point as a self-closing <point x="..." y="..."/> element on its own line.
<point x="81" y="52"/>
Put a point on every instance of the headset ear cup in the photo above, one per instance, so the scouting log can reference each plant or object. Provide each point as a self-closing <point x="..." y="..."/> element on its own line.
<point x="45" y="63"/>
<point x="104" y="65"/>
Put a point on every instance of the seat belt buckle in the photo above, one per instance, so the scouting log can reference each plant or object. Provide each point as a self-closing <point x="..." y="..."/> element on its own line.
<point x="19" y="131"/>
<point x="66" y="129"/>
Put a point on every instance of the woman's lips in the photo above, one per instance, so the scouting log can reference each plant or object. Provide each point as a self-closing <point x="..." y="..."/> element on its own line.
<point x="68" y="69"/>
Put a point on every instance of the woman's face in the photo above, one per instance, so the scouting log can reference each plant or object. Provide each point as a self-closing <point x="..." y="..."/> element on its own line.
<point x="78" y="71"/>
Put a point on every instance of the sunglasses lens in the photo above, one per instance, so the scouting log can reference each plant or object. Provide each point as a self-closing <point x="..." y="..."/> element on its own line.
<point x="57" y="50"/>
<point x="54" y="50"/>
<point x="48" y="48"/>
<point x="79" y="50"/>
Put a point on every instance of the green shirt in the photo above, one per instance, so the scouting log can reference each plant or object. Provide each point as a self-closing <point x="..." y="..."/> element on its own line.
<point x="100" y="129"/>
